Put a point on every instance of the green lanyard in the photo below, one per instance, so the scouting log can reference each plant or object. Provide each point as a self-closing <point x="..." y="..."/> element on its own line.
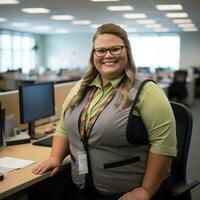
<point x="86" y="133"/>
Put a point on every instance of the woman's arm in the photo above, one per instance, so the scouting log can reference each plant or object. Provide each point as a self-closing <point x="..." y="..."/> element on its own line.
<point x="157" y="116"/>
<point x="60" y="147"/>
<point x="59" y="150"/>
<point x="156" y="171"/>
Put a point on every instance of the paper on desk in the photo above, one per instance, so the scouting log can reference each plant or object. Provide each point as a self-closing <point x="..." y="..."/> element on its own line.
<point x="5" y="170"/>
<point x="8" y="164"/>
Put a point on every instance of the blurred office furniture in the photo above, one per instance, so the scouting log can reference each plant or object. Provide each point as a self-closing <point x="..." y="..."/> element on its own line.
<point x="33" y="73"/>
<point x="7" y="99"/>
<point x="70" y="74"/>
<point x="161" y="73"/>
<point x="196" y="72"/>
<point x="12" y="80"/>
<point x="9" y="80"/>
<point x="183" y="117"/>
<point x="145" y="72"/>
<point x="197" y="87"/>
<point x="143" y="69"/>
<point x="177" y="90"/>
<point x="2" y="125"/>
<point x="49" y="74"/>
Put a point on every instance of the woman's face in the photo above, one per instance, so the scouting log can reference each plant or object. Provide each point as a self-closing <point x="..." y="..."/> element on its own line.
<point x="110" y="66"/>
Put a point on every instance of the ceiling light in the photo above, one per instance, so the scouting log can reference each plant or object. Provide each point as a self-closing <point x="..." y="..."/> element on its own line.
<point x="182" y="21"/>
<point x="145" y="21"/>
<point x="135" y="16"/>
<point x="186" y="25"/>
<point x="161" y="30"/>
<point x="169" y="7"/>
<point x="35" y="10"/>
<point x="3" y="19"/>
<point x="6" y="2"/>
<point x="153" y="25"/>
<point x="81" y="22"/>
<point x="177" y="15"/>
<point x="104" y="0"/>
<point x="19" y="24"/>
<point x="62" y="31"/>
<point x="62" y="17"/>
<point x="41" y="27"/>
<point x="120" y="8"/>
<point x="190" y="29"/>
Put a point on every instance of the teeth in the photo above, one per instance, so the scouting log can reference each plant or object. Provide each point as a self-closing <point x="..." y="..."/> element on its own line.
<point x="109" y="63"/>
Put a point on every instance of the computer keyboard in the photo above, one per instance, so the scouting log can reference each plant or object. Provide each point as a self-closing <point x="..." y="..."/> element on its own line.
<point x="44" y="142"/>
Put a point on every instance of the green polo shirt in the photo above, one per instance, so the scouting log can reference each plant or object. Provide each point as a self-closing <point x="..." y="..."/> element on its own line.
<point x="153" y="107"/>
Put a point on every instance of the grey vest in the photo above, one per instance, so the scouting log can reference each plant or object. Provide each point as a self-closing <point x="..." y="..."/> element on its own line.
<point x="117" y="153"/>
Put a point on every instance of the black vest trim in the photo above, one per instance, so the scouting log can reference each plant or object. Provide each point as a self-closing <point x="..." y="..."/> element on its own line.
<point x="122" y="162"/>
<point x="136" y="132"/>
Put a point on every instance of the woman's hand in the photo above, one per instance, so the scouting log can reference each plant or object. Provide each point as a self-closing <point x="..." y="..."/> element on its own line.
<point x="136" y="194"/>
<point x="53" y="163"/>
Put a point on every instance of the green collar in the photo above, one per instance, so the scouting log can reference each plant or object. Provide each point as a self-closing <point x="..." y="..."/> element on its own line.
<point x="114" y="82"/>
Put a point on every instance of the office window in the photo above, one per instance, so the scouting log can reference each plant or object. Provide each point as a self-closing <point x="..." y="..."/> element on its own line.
<point x="5" y="45"/>
<point x="17" y="48"/>
<point x="16" y="51"/>
<point x="156" y="51"/>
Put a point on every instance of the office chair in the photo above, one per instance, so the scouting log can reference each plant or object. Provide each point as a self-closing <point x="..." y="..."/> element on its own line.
<point x="182" y="188"/>
<point x="177" y="90"/>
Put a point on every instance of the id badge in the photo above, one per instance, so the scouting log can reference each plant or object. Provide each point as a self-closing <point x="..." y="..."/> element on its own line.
<point x="82" y="162"/>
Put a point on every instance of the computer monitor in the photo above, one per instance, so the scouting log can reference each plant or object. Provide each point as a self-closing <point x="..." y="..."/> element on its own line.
<point x="36" y="101"/>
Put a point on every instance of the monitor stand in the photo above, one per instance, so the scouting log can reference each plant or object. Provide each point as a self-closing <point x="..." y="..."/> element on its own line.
<point x="32" y="133"/>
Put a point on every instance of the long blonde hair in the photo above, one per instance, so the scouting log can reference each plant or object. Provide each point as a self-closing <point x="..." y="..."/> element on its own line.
<point x="129" y="74"/>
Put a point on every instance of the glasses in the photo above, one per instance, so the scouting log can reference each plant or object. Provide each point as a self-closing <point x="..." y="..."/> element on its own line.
<point x="114" y="51"/>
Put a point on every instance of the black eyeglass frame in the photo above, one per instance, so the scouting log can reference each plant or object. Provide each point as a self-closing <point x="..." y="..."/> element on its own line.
<point x="108" y="49"/>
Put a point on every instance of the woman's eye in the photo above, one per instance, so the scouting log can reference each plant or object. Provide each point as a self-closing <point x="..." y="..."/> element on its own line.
<point x="115" y="49"/>
<point x="101" y="51"/>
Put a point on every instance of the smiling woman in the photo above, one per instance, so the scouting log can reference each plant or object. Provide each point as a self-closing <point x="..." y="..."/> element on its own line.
<point x="119" y="150"/>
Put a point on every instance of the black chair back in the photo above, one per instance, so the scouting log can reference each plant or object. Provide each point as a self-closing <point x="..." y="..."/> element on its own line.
<point x="184" y="122"/>
<point x="177" y="90"/>
<point x="180" y="76"/>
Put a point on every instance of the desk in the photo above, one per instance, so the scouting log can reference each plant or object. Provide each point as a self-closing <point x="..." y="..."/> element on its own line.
<point x="22" y="178"/>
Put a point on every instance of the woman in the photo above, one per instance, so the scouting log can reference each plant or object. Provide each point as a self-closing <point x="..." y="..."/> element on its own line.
<point x="120" y="130"/>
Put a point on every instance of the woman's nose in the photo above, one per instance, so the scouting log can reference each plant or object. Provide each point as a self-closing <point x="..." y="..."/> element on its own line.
<point x="108" y="54"/>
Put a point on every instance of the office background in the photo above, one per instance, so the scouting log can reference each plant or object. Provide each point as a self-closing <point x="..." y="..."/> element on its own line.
<point x="61" y="31"/>
<point x="58" y="46"/>
<point x="66" y="44"/>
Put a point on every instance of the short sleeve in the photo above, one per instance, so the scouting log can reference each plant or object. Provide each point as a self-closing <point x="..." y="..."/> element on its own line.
<point x="60" y="128"/>
<point x="157" y="115"/>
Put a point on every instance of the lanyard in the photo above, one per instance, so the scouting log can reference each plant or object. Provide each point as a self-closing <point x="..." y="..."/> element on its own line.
<point x="86" y="133"/>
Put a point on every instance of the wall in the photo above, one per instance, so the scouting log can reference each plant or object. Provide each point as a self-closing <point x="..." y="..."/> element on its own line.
<point x="41" y="51"/>
<point x="7" y="99"/>
<point x="67" y="51"/>
<point x="190" y="49"/>
<point x="73" y="50"/>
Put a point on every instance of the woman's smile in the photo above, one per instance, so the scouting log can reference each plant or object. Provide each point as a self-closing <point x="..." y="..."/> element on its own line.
<point x="110" y="62"/>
